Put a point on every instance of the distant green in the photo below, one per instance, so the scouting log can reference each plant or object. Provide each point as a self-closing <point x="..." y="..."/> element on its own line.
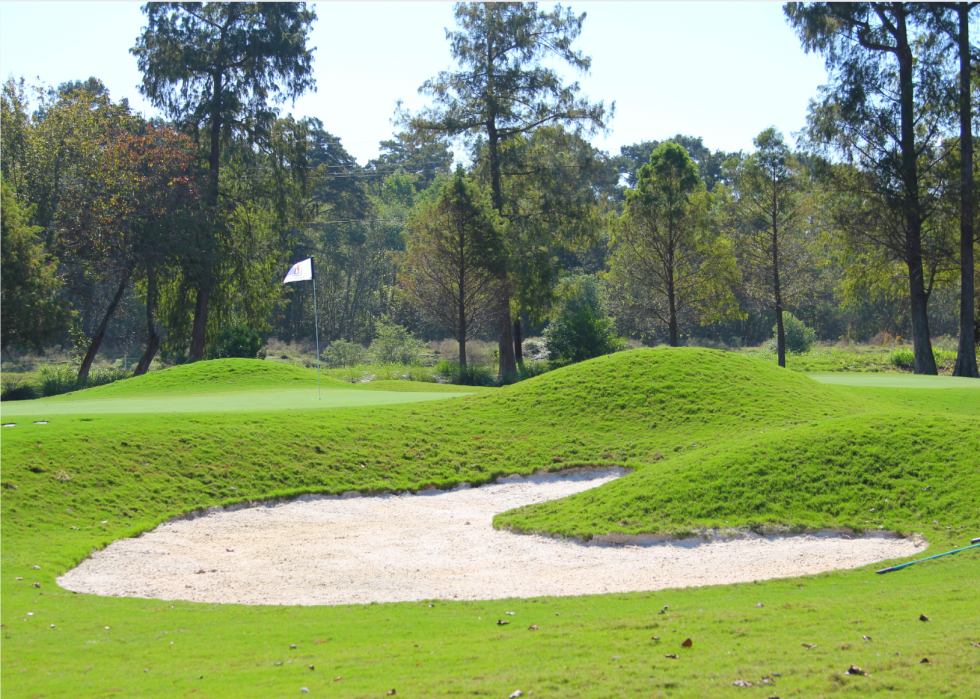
<point x="895" y="380"/>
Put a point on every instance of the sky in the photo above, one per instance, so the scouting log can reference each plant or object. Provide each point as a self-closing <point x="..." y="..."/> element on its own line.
<point x="723" y="71"/>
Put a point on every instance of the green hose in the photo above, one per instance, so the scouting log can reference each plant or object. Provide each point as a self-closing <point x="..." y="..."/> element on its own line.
<point x="929" y="558"/>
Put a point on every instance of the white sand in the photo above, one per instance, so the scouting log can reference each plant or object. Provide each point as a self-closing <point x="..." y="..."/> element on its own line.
<point x="435" y="545"/>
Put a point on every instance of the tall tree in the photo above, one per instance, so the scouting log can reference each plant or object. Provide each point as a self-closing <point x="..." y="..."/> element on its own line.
<point x="556" y="189"/>
<point x="218" y="65"/>
<point x="631" y="158"/>
<point x="767" y="218"/>
<point x="422" y="153"/>
<point x="668" y="268"/>
<point x="504" y="89"/>
<point x="51" y="140"/>
<point x="138" y="217"/>
<point x="953" y="19"/>
<point x="453" y="257"/>
<point x="883" y="110"/>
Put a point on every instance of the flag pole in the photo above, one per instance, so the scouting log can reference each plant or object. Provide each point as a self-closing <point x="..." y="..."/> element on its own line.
<point x="316" y="324"/>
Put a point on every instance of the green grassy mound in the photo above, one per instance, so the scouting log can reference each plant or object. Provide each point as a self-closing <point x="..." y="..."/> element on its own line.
<point x="214" y="375"/>
<point x="667" y="387"/>
<point x="712" y="438"/>
<point x="878" y="472"/>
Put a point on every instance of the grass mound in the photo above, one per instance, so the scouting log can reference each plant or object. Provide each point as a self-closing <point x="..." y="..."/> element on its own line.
<point x="214" y="375"/>
<point x="669" y="387"/>
<point x="867" y="473"/>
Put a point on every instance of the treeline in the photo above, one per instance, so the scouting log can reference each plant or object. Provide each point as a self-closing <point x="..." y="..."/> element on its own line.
<point x="123" y="231"/>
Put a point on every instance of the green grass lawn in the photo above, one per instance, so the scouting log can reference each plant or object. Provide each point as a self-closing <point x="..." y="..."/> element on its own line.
<point x="714" y="439"/>
<point x="894" y="380"/>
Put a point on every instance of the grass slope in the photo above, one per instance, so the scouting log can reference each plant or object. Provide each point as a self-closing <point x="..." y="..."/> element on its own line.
<point x="870" y="472"/>
<point x="83" y="481"/>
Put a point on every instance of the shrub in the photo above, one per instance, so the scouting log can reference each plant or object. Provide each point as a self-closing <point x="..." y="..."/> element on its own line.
<point x="55" y="380"/>
<point x="423" y="374"/>
<point x="237" y="341"/>
<point x="903" y="358"/>
<point x="799" y="338"/>
<point x="394" y="344"/>
<point x="341" y="353"/>
<point x="530" y="369"/>
<point x="472" y="375"/>
<point x="18" y="389"/>
<point x="581" y="330"/>
<point x="100" y="377"/>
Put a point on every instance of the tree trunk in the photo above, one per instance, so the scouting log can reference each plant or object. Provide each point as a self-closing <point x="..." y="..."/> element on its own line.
<point x="673" y="339"/>
<point x="505" y="341"/>
<point x="505" y="346"/>
<point x="199" y="328"/>
<point x="966" y="353"/>
<point x="778" y="297"/>
<point x="518" y="342"/>
<point x="93" y="348"/>
<point x="925" y="363"/>
<point x="780" y="337"/>
<point x="462" y="323"/>
<point x="672" y="309"/>
<point x="153" y="336"/>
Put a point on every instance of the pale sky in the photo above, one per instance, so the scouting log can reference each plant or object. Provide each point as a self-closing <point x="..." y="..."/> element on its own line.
<point x="720" y="70"/>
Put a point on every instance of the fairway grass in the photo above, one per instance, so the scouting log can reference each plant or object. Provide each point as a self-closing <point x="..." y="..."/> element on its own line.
<point x="895" y="380"/>
<point x="692" y="424"/>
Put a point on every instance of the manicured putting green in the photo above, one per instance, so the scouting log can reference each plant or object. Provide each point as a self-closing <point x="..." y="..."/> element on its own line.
<point x="894" y="380"/>
<point x="264" y="400"/>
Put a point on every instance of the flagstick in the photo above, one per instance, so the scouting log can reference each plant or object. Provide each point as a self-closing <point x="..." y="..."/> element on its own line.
<point x="316" y="324"/>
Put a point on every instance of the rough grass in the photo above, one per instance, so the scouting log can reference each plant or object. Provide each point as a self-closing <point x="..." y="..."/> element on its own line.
<point x="741" y="430"/>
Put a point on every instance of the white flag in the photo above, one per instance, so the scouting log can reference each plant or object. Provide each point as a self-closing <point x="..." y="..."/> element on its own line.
<point x="300" y="272"/>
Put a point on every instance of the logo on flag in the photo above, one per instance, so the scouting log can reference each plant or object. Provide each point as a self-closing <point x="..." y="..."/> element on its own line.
<point x="300" y="272"/>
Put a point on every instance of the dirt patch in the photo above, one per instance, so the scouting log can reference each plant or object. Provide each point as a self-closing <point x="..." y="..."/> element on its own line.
<point x="435" y="545"/>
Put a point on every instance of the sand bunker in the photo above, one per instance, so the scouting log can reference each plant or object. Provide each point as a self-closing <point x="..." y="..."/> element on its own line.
<point x="434" y="545"/>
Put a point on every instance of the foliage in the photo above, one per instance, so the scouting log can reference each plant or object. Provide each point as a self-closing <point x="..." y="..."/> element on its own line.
<point x="504" y="89"/>
<point x="903" y="358"/>
<point x="414" y="155"/>
<point x="33" y="315"/>
<point x="529" y="369"/>
<point x="236" y="341"/>
<point x="885" y="110"/>
<point x="54" y="380"/>
<point x="799" y="338"/>
<point x="581" y="329"/>
<point x="770" y="218"/>
<point x="711" y="166"/>
<point x="669" y="271"/>
<point x="16" y="388"/>
<point x="341" y="353"/>
<point x="466" y="374"/>
<point x="57" y="144"/>
<point x="218" y="66"/>
<point x="557" y="190"/>
<point x="454" y="259"/>
<point x="394" y="343"/>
